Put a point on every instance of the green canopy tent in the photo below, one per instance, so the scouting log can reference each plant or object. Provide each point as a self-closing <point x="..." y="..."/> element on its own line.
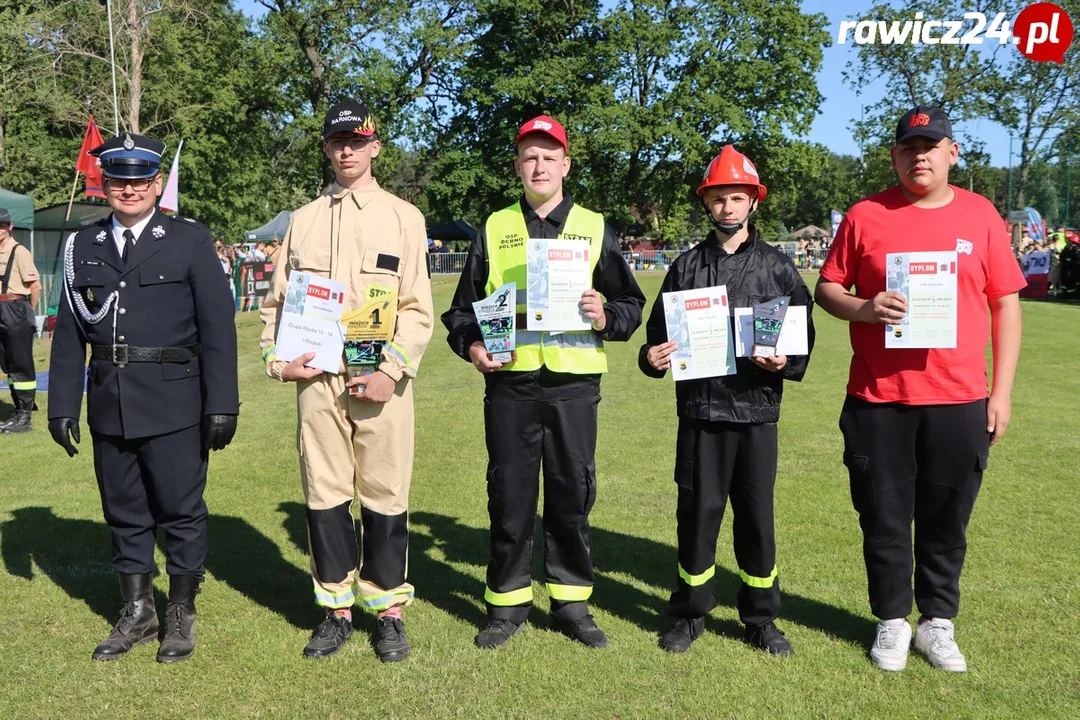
<point x="274" y="229"/>
<point x="21" y="208"/>
<point x="52" y="229"/>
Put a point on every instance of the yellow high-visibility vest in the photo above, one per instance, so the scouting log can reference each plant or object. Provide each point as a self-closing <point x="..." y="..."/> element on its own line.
<point x="569" y="352"/>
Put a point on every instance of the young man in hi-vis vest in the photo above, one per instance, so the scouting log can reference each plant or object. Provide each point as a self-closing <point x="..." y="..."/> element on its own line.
<point x="542" y="406"/>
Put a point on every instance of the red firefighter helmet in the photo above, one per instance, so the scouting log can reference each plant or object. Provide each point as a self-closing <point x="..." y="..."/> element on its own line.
<point x="731" y="167"/>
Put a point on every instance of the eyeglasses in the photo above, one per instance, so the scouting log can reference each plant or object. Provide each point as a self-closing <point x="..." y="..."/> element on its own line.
<point x="355" y="144"/>
<point x="117" y="185"/>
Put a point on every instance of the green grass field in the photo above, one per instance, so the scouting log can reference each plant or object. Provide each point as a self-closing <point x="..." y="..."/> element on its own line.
<point x="1018" y="625"/>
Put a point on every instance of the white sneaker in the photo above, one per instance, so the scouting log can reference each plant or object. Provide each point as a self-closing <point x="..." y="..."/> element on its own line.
<point x="890" y="648"/>
<point x="934" y="639"/>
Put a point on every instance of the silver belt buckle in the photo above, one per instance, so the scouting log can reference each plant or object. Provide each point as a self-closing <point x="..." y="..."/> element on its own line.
<point x="119" y="355"/>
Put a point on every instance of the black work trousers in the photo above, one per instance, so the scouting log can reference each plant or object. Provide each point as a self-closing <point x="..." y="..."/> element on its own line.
<point x="921" y="463"/>
<point x="523" y="433"/>
<point x="17" y="351"/>
<point x="714" y="462"/>
<point x="153" y="482"/>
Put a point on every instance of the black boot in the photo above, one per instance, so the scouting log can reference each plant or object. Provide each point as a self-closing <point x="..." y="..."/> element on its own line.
<point x="179" y="641"/>
<point x="769" y="638"/>
<point x="583" y="630"/>
<point x="19" y="423"/>
<point x="683" y="634"/>
<point x="20" y="419"/>
<point x="138" y="619"/>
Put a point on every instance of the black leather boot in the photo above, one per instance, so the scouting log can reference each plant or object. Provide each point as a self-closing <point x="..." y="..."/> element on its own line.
<point x="138" y="619"/>
<point x="19" y="423"/>
<point x="179" y="641"/>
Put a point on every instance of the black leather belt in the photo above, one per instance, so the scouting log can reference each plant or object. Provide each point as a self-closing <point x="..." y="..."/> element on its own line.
<point x="124" y="354"/>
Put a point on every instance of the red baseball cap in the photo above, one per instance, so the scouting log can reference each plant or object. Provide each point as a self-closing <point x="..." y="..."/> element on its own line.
<point x="545" y="125"/>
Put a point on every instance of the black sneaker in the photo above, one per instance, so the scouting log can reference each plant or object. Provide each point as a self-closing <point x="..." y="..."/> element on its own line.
<point x="496" y="633"/>
<point x="391" y="645"/>
<point x="584" y="631"/>
<point x="328" y="638"/>
<point x="769" y="638"/>
<point x="683" y="634"/>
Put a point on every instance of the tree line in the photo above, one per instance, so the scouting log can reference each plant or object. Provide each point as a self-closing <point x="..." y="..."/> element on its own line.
<point x="648" y="91"/>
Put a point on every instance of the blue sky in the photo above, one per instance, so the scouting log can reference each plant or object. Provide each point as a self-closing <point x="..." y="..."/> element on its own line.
<point x="831" y="128"/>
<point x="842" y="105"/>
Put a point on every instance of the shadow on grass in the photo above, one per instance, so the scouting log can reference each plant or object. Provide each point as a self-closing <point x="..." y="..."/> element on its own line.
<point x="252" y="564"/>
<point x="6" y="409"/>
<point x="655" y="563"/>
<point x="64" y="550"/>
<point x="652" y="563"/>
<point x="61" y="548"/>
<point x="247" y="561"/>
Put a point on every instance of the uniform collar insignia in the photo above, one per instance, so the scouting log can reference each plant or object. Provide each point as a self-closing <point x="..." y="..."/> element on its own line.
<point x="99" y="238"/>
<point x="158" y="231"/>
<point x="129" y="144"/>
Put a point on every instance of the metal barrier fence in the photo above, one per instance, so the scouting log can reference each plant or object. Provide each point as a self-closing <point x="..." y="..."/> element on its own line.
<point x="451" y="263"/>
<point x="650" y="259"/>
<point x="446" y="263"/>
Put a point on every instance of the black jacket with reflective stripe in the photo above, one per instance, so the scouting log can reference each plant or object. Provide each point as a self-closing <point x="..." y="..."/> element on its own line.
<point x="754" y="273"/>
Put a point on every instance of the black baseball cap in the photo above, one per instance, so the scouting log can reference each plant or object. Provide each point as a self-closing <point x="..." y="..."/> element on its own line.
<point x="923" y="121"/>
<point x="348" y="116"/>
<point x="5" y="217"/>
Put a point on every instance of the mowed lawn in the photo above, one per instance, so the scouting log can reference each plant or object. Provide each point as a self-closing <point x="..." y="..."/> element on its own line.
<point x="1019" y="625"/>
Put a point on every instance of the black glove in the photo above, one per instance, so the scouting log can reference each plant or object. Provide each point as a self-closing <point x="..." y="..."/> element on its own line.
<point x="218" y="431"/>
<point x="59" y="429"/>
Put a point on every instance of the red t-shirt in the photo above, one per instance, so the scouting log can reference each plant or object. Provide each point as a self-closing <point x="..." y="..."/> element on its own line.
<point x="887" y="222"/>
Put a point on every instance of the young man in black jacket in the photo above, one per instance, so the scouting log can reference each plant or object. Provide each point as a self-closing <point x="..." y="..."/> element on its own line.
<point x="727" y="441"/>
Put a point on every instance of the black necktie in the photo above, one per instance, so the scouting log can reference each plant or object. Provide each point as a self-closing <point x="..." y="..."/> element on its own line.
<point x="129" y="240"/>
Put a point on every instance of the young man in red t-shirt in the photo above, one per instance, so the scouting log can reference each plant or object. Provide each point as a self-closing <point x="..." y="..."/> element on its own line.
<point x="918" y="423"/>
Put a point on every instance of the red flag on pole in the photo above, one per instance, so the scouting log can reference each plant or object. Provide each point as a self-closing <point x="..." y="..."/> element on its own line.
<point x="87" y="164"/>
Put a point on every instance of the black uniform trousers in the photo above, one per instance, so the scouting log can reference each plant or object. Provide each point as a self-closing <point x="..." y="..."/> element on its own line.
<point x="715" y="461"/>
<point x="152" y="482"/>
<point x="17" y="351"/>
<point x="522" y="433"/>
<point x="914" y="462"/>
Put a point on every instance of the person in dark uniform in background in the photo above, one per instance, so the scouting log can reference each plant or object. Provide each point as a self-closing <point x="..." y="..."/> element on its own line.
<point x="147" y="294"/>
<point x="542" y="406"/>
<point x="20" y="286"/>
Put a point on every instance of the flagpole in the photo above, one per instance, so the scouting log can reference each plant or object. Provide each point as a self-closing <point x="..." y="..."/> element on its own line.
<point x="74" y="184"/>
<point x="112" y="64"/>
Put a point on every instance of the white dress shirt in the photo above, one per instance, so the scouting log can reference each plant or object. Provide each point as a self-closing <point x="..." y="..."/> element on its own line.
<point x="118" y="232"/>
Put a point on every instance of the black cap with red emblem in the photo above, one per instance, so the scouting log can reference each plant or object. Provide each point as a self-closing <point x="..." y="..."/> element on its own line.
<point x="348" y="116"/>
<point x="924" y="121"/>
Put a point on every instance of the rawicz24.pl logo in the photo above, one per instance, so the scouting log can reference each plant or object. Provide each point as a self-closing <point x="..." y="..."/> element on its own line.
<point x="1042" y="32"/>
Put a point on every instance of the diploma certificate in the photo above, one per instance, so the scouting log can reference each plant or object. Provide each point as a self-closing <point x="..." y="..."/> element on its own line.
<point x="310" y="321"/>
<point x="928" y="281"/>
<point x="698" y="321"/>
<point x="558" y="274"/>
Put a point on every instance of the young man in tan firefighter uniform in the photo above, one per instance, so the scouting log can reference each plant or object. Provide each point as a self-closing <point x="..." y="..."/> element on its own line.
<point x="356" y="434"/>
<point x="542" y="406"/>
<point x="727" y="442"/>
<point x="20" y="286"/>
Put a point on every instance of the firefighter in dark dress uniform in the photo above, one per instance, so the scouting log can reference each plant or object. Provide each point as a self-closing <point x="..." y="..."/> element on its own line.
<point x="145" y="292"/>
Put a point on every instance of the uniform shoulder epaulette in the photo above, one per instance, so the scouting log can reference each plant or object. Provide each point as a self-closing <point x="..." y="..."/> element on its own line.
<point x="193" y="222"/>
